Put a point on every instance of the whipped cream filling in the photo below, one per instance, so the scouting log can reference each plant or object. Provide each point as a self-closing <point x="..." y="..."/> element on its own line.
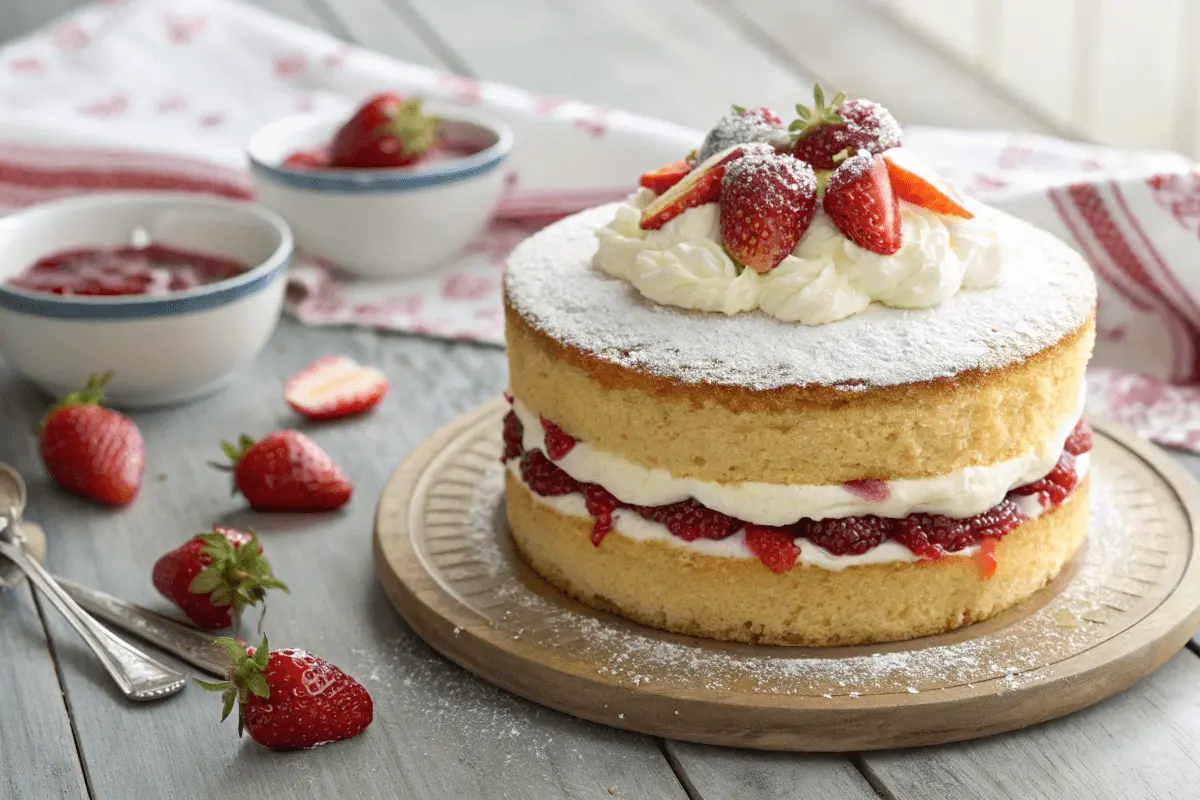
<point x="826" y="278"/>
<point x="629" y="523"/>
<point x="962" y="493"/>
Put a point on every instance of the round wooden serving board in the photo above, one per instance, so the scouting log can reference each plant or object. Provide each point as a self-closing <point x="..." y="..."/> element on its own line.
<point x="1127" y="602"/>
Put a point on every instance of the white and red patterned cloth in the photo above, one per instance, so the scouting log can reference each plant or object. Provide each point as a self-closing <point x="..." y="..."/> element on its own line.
<point x="162" y="94"/>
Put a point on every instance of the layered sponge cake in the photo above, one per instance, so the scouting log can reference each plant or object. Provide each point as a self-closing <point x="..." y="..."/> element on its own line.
<point x="822" y="406"/>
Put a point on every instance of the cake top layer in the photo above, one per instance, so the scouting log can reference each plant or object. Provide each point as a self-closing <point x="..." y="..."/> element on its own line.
<point x="1045" y="292"/>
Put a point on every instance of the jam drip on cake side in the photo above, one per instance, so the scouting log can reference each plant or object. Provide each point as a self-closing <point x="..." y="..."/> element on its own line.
<point x="928" y="536"/>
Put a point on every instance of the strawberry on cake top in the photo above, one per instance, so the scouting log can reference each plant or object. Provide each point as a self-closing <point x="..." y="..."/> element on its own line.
<point x="809" y="227"/>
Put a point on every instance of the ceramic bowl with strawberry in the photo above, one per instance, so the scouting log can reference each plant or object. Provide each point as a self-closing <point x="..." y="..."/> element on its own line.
<point x="171" y="293"/>
<point x="393" y="189"/>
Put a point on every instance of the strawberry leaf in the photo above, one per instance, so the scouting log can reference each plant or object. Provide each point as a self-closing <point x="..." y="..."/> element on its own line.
<point x="214" y="686"/>
<point x="207" y="581"/>
<point x="257" y="683"/>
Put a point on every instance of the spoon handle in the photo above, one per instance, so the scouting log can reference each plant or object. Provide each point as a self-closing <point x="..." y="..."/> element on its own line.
<point x="138" y="675"/>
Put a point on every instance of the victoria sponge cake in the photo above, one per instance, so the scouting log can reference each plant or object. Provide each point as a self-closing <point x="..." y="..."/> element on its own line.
<point x="795" y="390"/>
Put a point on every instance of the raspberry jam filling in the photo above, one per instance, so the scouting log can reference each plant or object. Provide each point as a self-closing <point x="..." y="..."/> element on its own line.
<point x="928" y="536"/>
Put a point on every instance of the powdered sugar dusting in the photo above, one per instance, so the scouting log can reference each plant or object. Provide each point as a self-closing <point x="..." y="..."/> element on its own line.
<point x="738" y="129"/>
<point x="1045" y="292"/>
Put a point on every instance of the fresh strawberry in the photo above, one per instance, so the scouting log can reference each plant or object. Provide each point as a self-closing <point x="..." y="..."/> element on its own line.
<point x="912" y="188"/>
<point x="213" y="576"/>
<point x="774" y="547"/>
<point x="822" y="133"/>
<point x="860" y="201"/>
<point x="286" y="471"/>
<point x="663" y="178"/>
<point x="334" y="387"/>
<point x="1080" y="440"/>
<point x="742" y="127"/>
<point x="290" y="699"/>
<point x="386" y="131"/>
<point x="700" y="186"/>
<point x="767" y="203"/>
<point x="558" y="443"/>
<point x="93" y="451"/>
<point x="307" y="159"/>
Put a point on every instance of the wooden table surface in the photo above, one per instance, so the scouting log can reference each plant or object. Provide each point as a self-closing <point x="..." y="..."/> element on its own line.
<point x="439" y="732"/>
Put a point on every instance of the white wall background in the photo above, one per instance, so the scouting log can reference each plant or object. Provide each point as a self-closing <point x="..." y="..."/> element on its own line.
<point x="1121" y="72"/>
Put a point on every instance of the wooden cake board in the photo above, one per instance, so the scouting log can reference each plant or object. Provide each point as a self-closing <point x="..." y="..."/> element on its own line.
<point x="1127" y="602"/>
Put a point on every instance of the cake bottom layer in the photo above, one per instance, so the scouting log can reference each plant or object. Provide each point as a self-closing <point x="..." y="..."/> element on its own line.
<point x="734" y="599"/>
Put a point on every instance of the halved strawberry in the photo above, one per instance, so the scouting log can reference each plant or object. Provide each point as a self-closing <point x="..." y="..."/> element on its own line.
<point x="767" y="203"/>
<point x="774" y="547"/>
<point x="911" y="187"/>
<point x="700" y="186"/>
<point x="860" y="201"/>
<point x="663" y="178"/>
<point x="742" y="127"/>
<point x="335" y="386"/>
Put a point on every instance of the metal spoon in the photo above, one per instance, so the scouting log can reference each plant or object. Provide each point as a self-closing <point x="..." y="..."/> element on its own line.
<point x="138" y="676"/>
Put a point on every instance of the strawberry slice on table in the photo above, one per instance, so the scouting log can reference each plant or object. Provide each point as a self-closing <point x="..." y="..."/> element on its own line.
<point x="912" y="188"/>
<point x="767" y="203"/>
<point x="823" y="132"/>
<point x="700" y="186"/>
<point x="860" y="201"/>
<point x="334" y="387"/>
<point x="285" y="471"/>
<point x="386" y="131"/>
<point x="213" y="576"/>
<point x="92" y="451"/>
<point x="290" y="699"/>
<point x="663" y="178"/>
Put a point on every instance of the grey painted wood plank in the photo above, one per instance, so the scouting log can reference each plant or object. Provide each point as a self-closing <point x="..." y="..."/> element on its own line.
<point x="37" y="750"/>
<point x="719" y="773"/>
<point x="1138" y="745"/>
<point x="438" y="733"/>
<point x="858" y="49"/>
<point x="672" y="59"/>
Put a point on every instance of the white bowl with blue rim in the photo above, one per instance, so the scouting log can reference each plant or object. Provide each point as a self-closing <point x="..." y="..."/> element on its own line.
<point x="383" y="223"/>
<point x="161" y="349"/>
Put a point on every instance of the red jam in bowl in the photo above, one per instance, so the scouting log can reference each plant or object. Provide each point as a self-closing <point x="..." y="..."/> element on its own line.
<point x="111" y="271"/>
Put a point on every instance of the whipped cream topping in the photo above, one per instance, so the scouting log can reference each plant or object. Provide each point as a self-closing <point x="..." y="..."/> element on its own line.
<point x="826" y="278"/>
<point x="962" y="493"/>
<point x="629" y="523"/>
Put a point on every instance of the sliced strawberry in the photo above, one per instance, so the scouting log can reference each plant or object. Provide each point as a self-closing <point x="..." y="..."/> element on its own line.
<point x="307" y="159"/>
<point x="860" y="201"/>
<point x="700" y="186"/>
<point x="558" y="443"/>
<point x="912" y="188"/>
<point x="663" y="178"/>
<point x="335" y="386"/>
<point x="774" y="547"/>
<point x="767" y="203"/>
<point x="985" y="559"/>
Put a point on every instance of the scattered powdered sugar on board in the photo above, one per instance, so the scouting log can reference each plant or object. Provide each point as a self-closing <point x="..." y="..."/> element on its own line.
<point x="1046" y="292"/>
<point x="1016" y="653"/>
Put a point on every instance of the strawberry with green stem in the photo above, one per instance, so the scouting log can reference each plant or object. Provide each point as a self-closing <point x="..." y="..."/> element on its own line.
<point x="214" y="576"/>
<point x="290" y="699"/>
<point x="285" y="471"/>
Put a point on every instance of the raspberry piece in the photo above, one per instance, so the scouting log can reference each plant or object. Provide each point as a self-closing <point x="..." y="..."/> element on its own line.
<point x="513" y="433"/>
<point x="926" y="534"/>
<point x="1057" y="485"/>
<point x="774" y="547"/>
<point x="871" y="490"/>
<point x="1080" y="440"/>
<point x="848" y="535"/>
<point x="558" y="444"/>
<point x="544" y="477"/>
<point x="691" y="521"/>
<point x="601" y="505"/>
